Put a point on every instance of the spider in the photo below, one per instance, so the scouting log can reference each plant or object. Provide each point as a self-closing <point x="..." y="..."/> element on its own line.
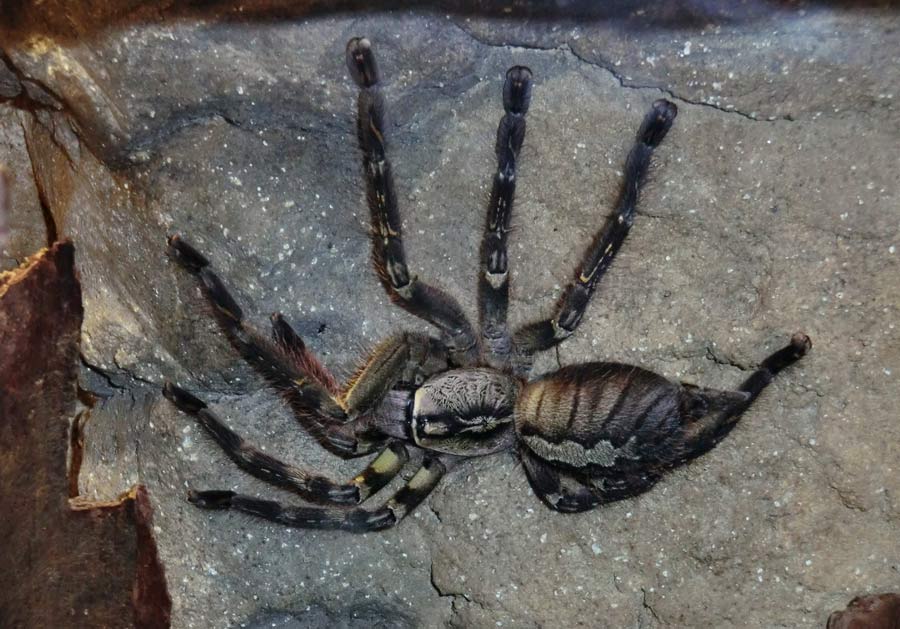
<point x="586" y="434"/>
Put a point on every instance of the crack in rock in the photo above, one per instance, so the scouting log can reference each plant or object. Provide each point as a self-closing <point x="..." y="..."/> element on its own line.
<point x="646" y="605"/>
<point x="623" y="81"/>
<point x="720" y="358"/>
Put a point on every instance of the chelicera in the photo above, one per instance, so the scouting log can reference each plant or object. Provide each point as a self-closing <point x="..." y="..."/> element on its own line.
<point x="586" y="434"/>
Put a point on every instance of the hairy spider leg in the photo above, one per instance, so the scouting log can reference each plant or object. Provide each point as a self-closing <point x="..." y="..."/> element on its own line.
<point x="304" y="360"/>
<point x="389" y="257"/>
<point x="321" y="413"/>
<point x="309" y="485"/>
<point x="312" y="402"/>
<point x="344" y="422"/>
<point x="542" y="335"/>
<point x="403" y="360"/>
<point x="308" y="388"/>
<point x="354" y="520"/>
<point x="726" y="407"/>
<point x="549" y="484"/>
<point x="493" y="279"/>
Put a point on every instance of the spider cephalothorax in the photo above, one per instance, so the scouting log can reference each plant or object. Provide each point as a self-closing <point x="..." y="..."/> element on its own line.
<point x="586" y="434"/>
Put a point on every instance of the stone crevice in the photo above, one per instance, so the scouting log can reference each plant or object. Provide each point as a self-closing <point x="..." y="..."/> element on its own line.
<point x="621" y="79"/>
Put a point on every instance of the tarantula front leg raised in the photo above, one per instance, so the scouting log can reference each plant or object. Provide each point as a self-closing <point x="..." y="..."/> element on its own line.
<point x="542" y="335"/>
<point x="415" y="296"/>
<point x="493" y="278"/>
<point x="311" y="391"/>
<point x="288" y="366"/>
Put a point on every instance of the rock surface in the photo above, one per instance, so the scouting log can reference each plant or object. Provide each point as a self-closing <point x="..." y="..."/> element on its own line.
<point x="773" y="208"/>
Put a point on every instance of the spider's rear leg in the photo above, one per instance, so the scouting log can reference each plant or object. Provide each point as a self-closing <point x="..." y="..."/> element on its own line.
<point x="389" y="257"/>
<point x="356" y="520"/>
<point x="568" y="492"/>
<point x="493" y="278"/>
<point x="542" y="335"/>
<point x="556" y="489"/>
<point x="718" y="412"/>
<point x="288" y="366"/>
<point x="306" y="483"/>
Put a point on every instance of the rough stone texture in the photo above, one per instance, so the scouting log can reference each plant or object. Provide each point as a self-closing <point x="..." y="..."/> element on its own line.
<point x="236" y="128"/>
<point x="68" y="561"/>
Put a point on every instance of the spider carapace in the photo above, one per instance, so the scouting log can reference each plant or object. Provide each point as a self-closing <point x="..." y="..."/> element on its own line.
<point x="586" y="434"/>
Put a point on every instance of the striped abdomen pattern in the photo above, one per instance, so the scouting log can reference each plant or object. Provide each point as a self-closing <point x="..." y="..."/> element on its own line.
<point x="602" y="419"/>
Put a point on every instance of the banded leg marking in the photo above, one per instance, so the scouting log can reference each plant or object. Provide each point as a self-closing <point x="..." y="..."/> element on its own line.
<point x="542" y="335"/>
<point x="389" y="256"/>
<point x="310" y="485"/>
<point x="493" y="280"/>
<point x="354" y="520"/>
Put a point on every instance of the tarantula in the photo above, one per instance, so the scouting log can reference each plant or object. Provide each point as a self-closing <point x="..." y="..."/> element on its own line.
<point x="586" y="434"/>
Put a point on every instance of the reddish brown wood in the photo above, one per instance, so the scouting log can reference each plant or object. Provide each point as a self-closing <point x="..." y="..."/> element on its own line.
<point x="878" y="611"/>
<point x="67" y="562"/>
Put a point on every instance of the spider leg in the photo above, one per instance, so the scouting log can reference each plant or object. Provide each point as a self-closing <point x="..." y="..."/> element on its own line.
<point x="309" y="485"/>
<point x="389" y="257"/>
<point x="551" y="486"/>
<point x="306" y="390"/>
<point x="568" y="492"/>
<point x="724" y="408"/>
<point x="354" y="520"/>
<point x="493" y="279"/>
<point x="406" y="358"/>
<point x="315" y="397"/>
<point x="303" y="359"/>
<point x="542" y="335"/>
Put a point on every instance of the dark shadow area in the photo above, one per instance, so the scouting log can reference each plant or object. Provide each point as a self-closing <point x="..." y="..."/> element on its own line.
<point x="71" y="19"/>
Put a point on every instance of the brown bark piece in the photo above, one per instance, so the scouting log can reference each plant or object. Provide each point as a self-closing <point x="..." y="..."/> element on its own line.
<point x="878" y="611"/>
<point x="67" y="562"/>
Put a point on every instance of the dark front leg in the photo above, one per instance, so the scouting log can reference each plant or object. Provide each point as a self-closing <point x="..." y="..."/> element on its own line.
<point x="389" y="256"/>
<point x="289" y="367"/>
<point x="354" y="520"/>
<point x="493" y="279"/>
<point x="542" y="335"/>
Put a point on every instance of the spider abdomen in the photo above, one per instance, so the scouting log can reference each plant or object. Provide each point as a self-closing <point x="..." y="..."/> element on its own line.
<point x="601" y="418"/>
